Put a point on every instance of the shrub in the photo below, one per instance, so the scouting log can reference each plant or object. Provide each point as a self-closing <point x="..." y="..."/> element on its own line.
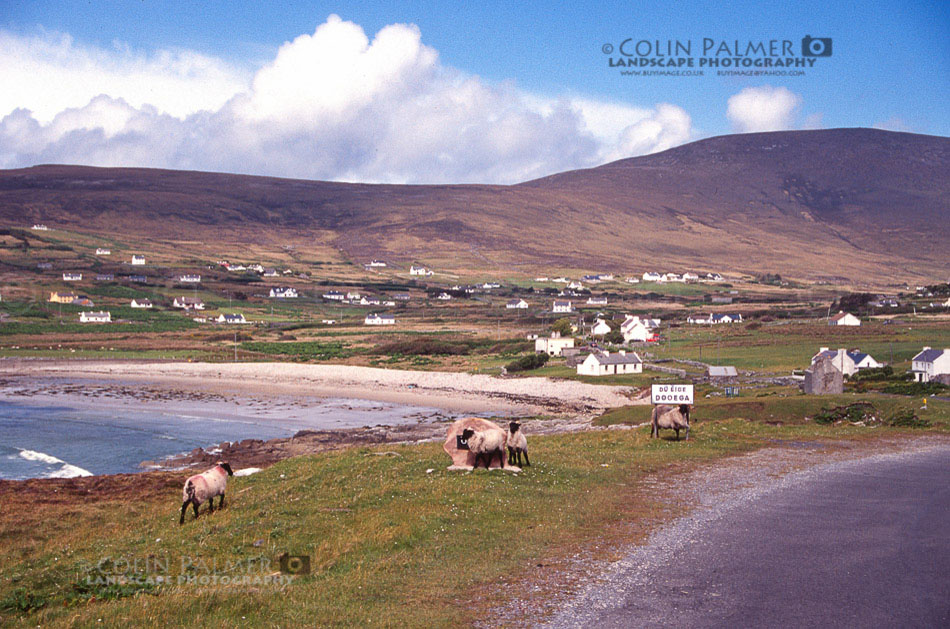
<point x="915" y="389"/>
<point x="526" y="363"/>
<point x="906" y="418"/>
<point x="857" y="412"/>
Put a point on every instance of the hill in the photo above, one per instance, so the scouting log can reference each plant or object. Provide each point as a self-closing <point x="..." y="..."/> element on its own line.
<point x="860" y="204"/>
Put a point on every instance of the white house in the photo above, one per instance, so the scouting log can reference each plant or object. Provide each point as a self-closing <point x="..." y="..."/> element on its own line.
<point x="600" y="328"/>
<point x="607" y="364"/>
<point x="284" y="292"/>
<point x="419" y="270"/>
<point x="444" y="297"/>
<point x="138" y="260"/>
<point x="103" y="252"/>
<point x="714" y="319"/>
<point x="552" y="345"/>
<point x="596" y="301"/>
<point x="353" y="295"/>
<point x="257" y="268"/>
<point x="930" y="363"/>
<point x="671" y="277"/>
<point x="72" y="277"/>
<point x="369" y="301"/>
<point x="651" y="276"/>
<point x="561" y="280"/>
<point x="844" y="318"/>
<point x="519" y="304"/>
<point x="635" y="329"/>
<point x="575" y="286"/>
<point x="189" y="279"/>
<point x="188" y="303"/>
<point x="845" y="361"/>
<point x="231" y="318"/>
<point x="379" y="319"/>
<point x="690" y="277"/>
<point x="270" y="272"/>
<point x="334" y="295"/>
<point x="40" y="227"/>
<point x="95" y="317"/>
<point x="141" y="303"/>
<point x="713" y="277"/>
<point x="377" y="263"/>
<point x="633" y="280"/>
<point x="563" y="306"/>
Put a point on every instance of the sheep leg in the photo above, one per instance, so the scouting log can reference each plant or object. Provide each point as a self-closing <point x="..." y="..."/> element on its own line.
<point x="221" y="504"/>
<point x="194" y="503"/>
<point x="526" y="461"/>
<point x="184" y="506"/>
<point x="677" y="433"/>
<point x="211" y="505"/>
<point x="687" y="433"/>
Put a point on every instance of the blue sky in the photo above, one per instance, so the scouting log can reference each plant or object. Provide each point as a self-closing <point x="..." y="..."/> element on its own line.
<point x="490" y="91"/>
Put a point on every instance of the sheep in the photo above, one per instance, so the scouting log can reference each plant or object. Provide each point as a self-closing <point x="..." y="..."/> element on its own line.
<point x="665" y="416"/>
<point x="205" y="486"/>
<point x="517" y="444"/>
<point x="485" y="443"/>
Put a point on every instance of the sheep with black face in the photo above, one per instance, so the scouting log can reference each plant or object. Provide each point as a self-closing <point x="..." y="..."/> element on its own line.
<point x="485" y="444"/>
<point x="205" y="486"/>
<point x="517" y="445"/>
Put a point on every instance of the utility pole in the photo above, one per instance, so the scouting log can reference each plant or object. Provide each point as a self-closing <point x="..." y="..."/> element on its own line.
<point x="235" y="346"/>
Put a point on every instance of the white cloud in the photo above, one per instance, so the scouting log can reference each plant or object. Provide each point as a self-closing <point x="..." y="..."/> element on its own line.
<point x="331" y="105"/>
<point x="764" y="108"/>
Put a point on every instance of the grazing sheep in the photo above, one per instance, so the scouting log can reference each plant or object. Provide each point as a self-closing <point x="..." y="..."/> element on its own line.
<point x="665" y="416"/>
<point x="205" y="486"/>
<point x="485" y="444"/>
<point x="517" y="444"/>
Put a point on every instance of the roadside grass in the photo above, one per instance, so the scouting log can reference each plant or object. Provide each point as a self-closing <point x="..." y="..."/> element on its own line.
<point x="389" y="543"/>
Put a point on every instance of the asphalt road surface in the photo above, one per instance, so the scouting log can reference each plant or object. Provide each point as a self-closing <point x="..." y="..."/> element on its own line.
<point x="861" y="543"/>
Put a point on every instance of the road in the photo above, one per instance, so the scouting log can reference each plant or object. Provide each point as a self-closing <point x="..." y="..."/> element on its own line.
<point x="862" y="543"/>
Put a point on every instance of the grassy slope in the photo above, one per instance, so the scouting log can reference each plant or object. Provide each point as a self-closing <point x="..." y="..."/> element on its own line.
<point x="390" y="544"/>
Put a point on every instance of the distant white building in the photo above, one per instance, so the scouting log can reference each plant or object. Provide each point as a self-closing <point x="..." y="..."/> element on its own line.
<point x="444" y="297"/>
<point x="231" y="318"/>
<point x="103" y="252"/>
<point x="189" y="279"/>
<point x="334" y="295"/>
<point x="690" y="277"/>
<point x="377" y="263"/>
<point x="188" y="303"/>
<point x="930" y="363"/>
<point x="419" y="270"/>
<point x="519" y="304"/>
<point x="600" y="328"/>
<point x="72" y="277"/>
<point x="95" y="317"/>
<point x="379" y="319"/>
<point x="138" y="260"/>
<point x="575" y="286"/>
<point x="269" y="272"/>
<point x="845" y="361"/>
<point x="353" y="295"/>
<point x="635" y="329"/>
<point x="141" y="303"/>
<point x="284" y="292"/>
<point x="40" y="227"/>
<point x="563" y="306"/>
<point x="714" y="319"/>
<point x="632" y="280"/>
<point x="329" y="321"/>
<point x="651" y="276"/>
<point x="606" y="364"/>
<point x="369" y="301"/>
<point x="713" y="277"/>
<point x="596" y="301"/>
<point x="552" y="345"/>
<point x="844" y="318"/>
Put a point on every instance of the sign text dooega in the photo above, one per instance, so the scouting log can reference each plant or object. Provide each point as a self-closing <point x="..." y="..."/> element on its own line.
<point x="671" y="394"/>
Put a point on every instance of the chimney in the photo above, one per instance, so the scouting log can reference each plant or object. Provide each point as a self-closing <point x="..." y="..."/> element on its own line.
<point x="822" y="349"/>
<point x="925" y="348"/>
<point x="623" y="352"/>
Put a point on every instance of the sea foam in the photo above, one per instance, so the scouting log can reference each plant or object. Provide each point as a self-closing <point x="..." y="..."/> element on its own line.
<point x="65" y="470"/>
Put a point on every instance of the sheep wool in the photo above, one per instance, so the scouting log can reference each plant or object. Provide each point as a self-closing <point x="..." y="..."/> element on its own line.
<point x="204" y="487"/>
<point x="486" y="443"/>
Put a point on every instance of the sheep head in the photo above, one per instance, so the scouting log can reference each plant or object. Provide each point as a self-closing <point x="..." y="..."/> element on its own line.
<point x="226" y="467"/>
<point x="513" y="427"/>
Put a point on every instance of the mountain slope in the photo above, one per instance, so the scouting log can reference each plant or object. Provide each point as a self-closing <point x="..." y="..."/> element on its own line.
<point x="855" y="203"/>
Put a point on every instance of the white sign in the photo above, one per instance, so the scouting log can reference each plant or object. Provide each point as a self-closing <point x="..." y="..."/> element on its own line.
<point x="671" y="394"/>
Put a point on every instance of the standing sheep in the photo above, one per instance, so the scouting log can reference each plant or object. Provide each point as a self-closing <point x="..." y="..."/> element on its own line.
<point x="665" y="416"/>
<point x="517" y="444"/>
<point x="205" y="486"/>
<point x="485" y="443"/>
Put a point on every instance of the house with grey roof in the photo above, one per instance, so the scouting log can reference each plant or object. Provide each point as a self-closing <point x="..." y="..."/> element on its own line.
<point x="848" y="362"/>
<point x="931" y="364"/>
<point x="610" y="363"/>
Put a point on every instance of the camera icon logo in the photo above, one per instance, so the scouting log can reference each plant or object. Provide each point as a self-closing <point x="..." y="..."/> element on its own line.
<point x="816" y="46"/>
<point x="294" y="564"/>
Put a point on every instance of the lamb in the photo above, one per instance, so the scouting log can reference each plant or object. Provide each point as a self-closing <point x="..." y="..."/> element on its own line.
<point x="517" y="444"/>
<point x="665" y="416"/>
<point x="485" y="444"/>
<point x="205" y="486"/>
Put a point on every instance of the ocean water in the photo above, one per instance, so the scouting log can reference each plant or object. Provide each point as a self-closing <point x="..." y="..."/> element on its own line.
<point x="56" y="441"/>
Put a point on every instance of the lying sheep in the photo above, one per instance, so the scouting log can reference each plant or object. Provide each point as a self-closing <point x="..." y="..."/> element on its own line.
<point x="485" y="444"/>
<point x="517" y="444"/>
<point x="205" y="486"/>
<point x="665" y="416"/>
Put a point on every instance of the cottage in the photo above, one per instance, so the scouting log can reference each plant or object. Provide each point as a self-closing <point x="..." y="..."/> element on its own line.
<point x="188" y="303"/>
<point x="714" y="319"/>
<point x="844" y="318"/>
<point x="141" y="303"/>
<point x="553" y="345"/>
<point x="848" y="362"/>
<point x="419" y="270"/>
<point x="651" y="276"/>
<point x="600" y="328"/>
<point x="189" y="279"/>
<point x="823" y="378"/>
<point x="284" y="292"/>
<point x="379" y="319"/>
<point x="105" y="277"/>
<point x="329" y="321"/>
<point x="634" y="329"/>
<point x="63" y="298"/>
<point x="575" y="286"/>
<point x="930" y="364"/>
<point x="72" y="277"/>
<point x="597" y="301"/>
<point x="40" y="227"/>
<point x="632" y="280"/>
<point x="563" y="306"/>
<point x="690" y="277"/>
<point x="377" y="264"/>
<point x="103" y="252"/>
<point x="257" y="268"/>
<point x="353" y="295"/>
<point x="231" y="318"/>
<point x="95" y="317"/>
<point x="713" y="277"/>
<point x="138" y="260"/>
<point x="606" y="363"/>
<point x="516" y="304"/>
<point x="334" y="295"/>
<point x="269" y="272"/>
<point x="369" y="301"/>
